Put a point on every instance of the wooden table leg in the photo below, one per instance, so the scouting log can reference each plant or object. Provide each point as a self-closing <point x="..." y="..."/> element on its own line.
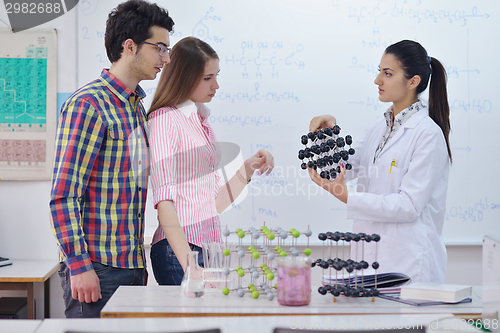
<point x="31" y="302"/>
<point x="46" y="298"/>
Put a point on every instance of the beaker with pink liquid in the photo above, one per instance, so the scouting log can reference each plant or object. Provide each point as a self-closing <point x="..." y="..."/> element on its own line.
<point x="294" y="281"/>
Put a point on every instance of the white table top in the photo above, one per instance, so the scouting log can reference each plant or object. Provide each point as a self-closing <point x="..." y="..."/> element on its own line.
<point x="155" y="301"/>
<point x="251" y="324"/>
<point x="28" y="270"/>
<point x="19" y="325"/>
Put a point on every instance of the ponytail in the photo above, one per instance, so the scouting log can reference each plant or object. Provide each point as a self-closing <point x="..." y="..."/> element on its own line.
<point x="415" y="61"/>
<point x="439" y="109"/>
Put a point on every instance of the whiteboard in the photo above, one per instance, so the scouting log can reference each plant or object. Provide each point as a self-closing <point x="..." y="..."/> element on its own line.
<point x="285" y="61"/>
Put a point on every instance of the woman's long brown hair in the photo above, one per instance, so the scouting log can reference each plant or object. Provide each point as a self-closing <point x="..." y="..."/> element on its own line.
<point x="182" y="75"/>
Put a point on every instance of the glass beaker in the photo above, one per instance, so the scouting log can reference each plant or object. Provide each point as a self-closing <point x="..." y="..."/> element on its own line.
<point x="192" y="282"/>
<point x="294" y="281"/>
<point x="214" y="265"/>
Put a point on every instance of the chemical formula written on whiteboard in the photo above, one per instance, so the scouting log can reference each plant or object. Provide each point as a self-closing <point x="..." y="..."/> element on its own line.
<point x="415" y="14"/>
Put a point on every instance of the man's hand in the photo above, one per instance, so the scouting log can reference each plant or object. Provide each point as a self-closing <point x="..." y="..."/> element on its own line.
<point x="85" y="287"/>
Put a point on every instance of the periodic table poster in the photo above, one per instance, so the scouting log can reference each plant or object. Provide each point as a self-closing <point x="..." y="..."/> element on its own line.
<point x="28" y="103"/>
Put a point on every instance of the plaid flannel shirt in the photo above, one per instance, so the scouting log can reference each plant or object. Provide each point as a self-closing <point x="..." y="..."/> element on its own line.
<point x="99" y="182"/>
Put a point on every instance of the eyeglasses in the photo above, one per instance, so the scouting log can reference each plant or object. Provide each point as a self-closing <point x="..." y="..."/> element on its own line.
<point x="161" y="48"/>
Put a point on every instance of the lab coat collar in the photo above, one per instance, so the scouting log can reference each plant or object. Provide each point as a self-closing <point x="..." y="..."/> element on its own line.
<point x="416" y="118"/>
<point x="410" y="123"/>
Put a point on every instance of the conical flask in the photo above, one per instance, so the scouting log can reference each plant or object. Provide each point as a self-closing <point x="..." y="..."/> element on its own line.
<point x="192" y="282"/>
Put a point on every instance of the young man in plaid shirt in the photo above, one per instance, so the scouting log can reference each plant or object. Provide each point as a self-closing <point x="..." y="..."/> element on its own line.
<point x="100" y="172"/>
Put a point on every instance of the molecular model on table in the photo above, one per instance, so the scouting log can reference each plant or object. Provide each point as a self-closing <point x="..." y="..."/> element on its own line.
<point x="355" y="284"/>
<point x="266" y="245"/>
<point x="325" y="150"/>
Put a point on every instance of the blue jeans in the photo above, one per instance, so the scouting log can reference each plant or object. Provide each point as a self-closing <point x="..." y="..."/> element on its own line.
<point x="110" y="278"/>
<point x="166" y="268"/>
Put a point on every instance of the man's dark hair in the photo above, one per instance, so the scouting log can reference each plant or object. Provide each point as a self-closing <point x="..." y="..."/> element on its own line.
<point x="133" y="19"/>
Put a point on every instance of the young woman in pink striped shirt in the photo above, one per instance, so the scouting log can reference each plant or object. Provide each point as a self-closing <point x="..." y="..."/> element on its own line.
<point x="185" y="157"/>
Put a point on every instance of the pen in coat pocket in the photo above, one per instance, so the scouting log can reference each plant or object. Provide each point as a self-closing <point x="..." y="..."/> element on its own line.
<point x="393" y="163"/>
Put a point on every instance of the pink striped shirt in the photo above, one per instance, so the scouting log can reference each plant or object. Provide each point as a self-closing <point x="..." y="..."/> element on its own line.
<point x="184" y="159"/>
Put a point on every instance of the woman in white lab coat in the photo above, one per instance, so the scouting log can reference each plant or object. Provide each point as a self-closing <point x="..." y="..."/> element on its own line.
<point x="402" y="167"/>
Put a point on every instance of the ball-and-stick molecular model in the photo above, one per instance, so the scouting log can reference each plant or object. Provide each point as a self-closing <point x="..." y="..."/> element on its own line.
<point x="266" y="245"/>
<point x="352" y="286"/>
<point x="325" y="150"/>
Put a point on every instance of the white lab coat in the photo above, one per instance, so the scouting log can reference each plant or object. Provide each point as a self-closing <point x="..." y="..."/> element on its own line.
<point x="405" y="205"/>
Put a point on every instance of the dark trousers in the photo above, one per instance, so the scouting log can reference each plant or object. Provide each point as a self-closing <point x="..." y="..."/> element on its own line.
<point x="110" y="278"/>
<point x="166" y="268"/>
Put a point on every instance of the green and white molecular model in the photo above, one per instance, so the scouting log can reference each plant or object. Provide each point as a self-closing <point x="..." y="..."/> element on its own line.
<point x="266" y="245"/>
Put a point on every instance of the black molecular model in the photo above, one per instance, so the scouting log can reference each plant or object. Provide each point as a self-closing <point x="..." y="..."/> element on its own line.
<point x="355" y="284"/>
<point x="325" y="150"/>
